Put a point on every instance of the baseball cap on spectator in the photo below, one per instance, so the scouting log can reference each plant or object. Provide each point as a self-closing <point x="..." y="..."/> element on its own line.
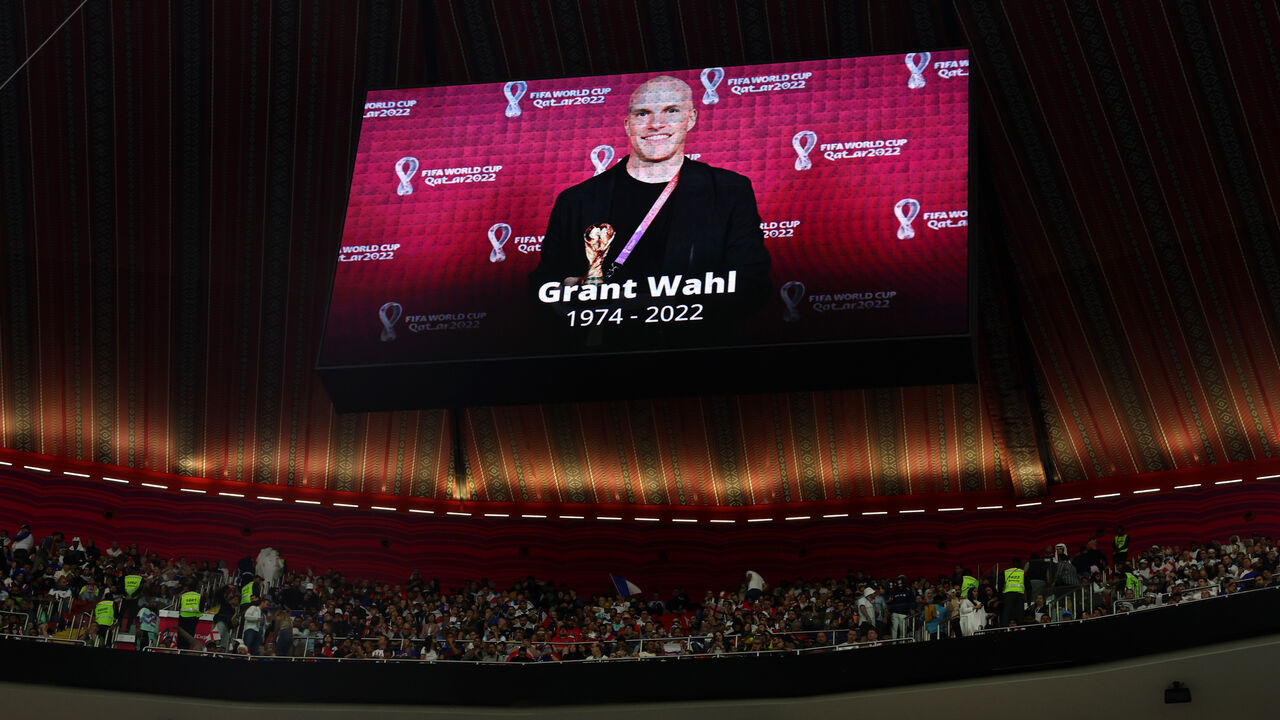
<point x="868" y="592"/>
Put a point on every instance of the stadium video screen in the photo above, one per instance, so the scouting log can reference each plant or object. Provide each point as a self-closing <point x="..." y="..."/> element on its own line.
<point x="764" y="206"/>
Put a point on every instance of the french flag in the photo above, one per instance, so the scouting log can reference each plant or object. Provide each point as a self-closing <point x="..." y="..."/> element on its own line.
<point x="625" y="587"/>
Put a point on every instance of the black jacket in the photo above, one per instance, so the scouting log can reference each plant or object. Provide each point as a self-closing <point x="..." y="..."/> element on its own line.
<point x="714" y="227"/>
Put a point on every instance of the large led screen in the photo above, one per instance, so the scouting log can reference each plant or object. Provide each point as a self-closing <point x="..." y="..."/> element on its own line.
<point x="764" y="206"/>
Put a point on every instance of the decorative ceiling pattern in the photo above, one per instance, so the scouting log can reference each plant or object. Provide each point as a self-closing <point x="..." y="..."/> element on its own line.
<point x="583" y="553"/>
<point x="173" y="178"/>
<point x="735" y="451"/>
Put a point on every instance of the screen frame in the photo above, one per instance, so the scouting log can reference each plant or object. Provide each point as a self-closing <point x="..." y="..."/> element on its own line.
<point x="943" y="359"/>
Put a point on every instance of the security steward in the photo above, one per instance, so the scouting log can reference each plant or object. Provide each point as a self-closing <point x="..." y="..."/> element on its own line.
<point x="188" y="617"/>
<point x="104" y="616"/>
<point x="1015" y="594"/>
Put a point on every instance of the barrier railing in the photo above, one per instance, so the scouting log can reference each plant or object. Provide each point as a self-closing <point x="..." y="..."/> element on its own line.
<point x="25" y="617"/>
<point x="42" y="638"/>
<point x="1120" y="614"/>
<point x="838" y="647"/>
<point x="738" y="643"/>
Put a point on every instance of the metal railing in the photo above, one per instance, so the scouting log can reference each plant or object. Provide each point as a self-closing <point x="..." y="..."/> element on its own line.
<point x="24" y="616"/>
<point x="838" y="647"/>
<point x="1120" y="614"/>
<point x="43" y="638"/>
<point x="687" y="646"/>
<point x="79" y="624"/>
<point x="698" y="645"/>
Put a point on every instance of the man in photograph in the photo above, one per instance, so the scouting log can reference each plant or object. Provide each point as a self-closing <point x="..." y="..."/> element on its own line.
<point x="658" y="213"/>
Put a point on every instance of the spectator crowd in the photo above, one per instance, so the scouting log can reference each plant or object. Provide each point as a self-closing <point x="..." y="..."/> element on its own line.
<point x="49" y="583"/>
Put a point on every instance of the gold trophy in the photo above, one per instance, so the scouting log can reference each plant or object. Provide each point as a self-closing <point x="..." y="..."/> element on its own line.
<point x="597" y="239"/>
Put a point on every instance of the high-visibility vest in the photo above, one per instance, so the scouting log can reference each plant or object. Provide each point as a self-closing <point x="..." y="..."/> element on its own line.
<point x="131" y="584"/>
<point x="189" y="604"/>
<point x="1132" y="582"/>
<point x="1122" y="543"/>
<point x="246" y="593"/>
<point x="1013" y="580"/>
<point x="104" y="613"/>
<point x="967" y="583"/>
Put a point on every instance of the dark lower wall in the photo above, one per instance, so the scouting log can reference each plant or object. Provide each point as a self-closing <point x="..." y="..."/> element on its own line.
<point x="655" y="556"/>
<point x="504" y="685"/>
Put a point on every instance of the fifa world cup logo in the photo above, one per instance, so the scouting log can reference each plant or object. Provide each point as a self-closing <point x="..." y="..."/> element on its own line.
<point x="514" y="91"/>
<point x="917" y="63"/>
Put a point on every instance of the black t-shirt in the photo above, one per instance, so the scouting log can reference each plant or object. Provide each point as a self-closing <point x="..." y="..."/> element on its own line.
<point x="632" y="200"/>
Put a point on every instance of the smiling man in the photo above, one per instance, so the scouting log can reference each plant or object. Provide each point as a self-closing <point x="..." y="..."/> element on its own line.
<point x="659" y="117"/>
<point x="659" y="214"/>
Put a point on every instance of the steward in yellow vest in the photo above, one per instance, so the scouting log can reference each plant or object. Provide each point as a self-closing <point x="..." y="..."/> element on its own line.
<point x="189" y="604"/>
<point x="188" y="618"/>
<point x="104" y="615"/>
<point x="1120" y="546"/>
<point x="1013" y="603"/>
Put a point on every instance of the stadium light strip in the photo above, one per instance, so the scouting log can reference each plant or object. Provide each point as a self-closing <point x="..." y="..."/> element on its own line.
<point x="269" y="498"/>
<point x="2" y="462"/>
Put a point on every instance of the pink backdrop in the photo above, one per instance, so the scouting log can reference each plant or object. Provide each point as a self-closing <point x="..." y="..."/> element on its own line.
<point x="831" y="227"/>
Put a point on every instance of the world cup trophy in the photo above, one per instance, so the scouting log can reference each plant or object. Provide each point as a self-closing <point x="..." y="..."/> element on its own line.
<point x="597" y="239"/>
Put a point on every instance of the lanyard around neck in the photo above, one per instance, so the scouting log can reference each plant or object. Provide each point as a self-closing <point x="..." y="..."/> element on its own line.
<point x="648" y="219"/>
